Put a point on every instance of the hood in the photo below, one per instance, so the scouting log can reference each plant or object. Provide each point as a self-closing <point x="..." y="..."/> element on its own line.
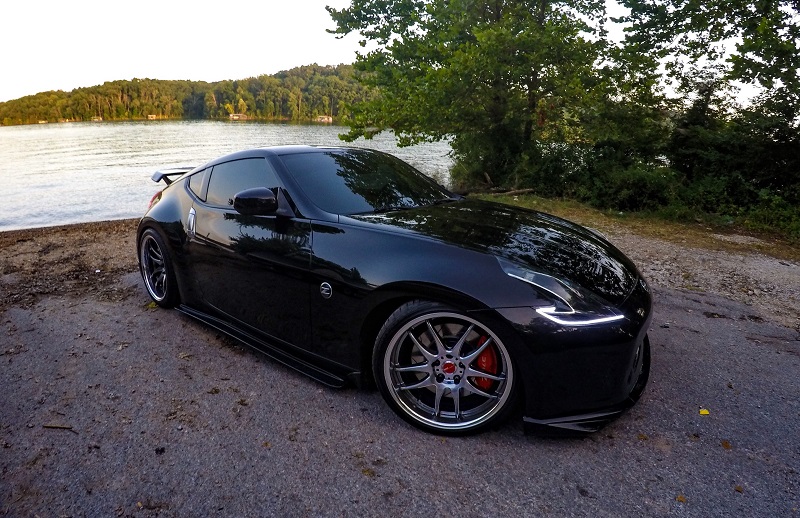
<point x="530" y="239"/>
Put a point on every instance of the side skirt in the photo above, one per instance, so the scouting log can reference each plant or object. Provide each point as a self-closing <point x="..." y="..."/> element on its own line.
<point x="326" y="378"/>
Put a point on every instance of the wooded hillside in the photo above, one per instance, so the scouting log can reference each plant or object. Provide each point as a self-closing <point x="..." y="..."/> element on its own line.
<point x="298" y="94"/>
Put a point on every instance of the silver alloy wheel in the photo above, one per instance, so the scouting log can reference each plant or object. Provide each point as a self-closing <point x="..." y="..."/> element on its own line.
<point x="154" y="268"/>
<point x="432" y="370"/>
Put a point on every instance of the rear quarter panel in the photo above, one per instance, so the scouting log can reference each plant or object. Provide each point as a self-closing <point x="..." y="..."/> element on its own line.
<point x="168" y="216"/>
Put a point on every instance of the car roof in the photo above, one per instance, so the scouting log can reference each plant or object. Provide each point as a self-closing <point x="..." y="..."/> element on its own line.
<point x="281" y="151"/>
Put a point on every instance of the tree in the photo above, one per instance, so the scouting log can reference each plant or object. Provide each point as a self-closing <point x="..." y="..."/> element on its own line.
<point x="727" y="154"/>
<point x="501" y="78"/>
<point x="210" y="102"/>
<point x="756" y="42"/>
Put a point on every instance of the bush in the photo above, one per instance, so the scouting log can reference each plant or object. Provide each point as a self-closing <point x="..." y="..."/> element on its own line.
<point x="716" y="195"/>
<point x="773" y="212"/>
<point x="558" y="172"/>
<point x="636" y="188"/>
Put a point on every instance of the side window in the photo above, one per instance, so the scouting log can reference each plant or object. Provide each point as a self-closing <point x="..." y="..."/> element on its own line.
<point x="196" y="183"/>
<point x="232" y="177"/>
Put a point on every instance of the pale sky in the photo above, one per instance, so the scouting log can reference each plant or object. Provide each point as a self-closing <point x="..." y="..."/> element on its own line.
<point x="67" y="44"/>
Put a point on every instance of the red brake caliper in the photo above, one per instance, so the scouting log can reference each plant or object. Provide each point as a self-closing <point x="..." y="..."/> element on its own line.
<point x="487" y="362"/>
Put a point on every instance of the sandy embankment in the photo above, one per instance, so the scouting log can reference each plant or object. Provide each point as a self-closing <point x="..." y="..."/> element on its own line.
<point x="84" y="259"/>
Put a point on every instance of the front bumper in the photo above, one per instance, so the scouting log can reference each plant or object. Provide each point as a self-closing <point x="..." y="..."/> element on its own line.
<point x="578" y="379"/>
<point x="582" y="424"/>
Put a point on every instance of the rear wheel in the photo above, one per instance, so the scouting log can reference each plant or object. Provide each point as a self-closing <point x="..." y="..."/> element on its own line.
<point x="442" y="370"/>
<point x="156" y="268"/>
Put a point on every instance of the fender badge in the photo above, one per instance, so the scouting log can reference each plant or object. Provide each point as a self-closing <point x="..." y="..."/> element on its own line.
<point x="325" y="290"/>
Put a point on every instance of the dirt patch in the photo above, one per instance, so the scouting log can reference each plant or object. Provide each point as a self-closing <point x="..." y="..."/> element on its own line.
<point x="84" y="259"/>
<point x="770" y="285"/>
<point x="737" y="238"/>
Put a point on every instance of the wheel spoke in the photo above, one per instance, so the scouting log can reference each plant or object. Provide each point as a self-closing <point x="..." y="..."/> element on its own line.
<point x="456" y="395"/>
<point x="474" y="354"/>
<point x="426" y="382"/>
<point x="417" y="367"/>
<point x="440" y="348"/>
<point x="475" y="390"/>
<point x="456" y="351"/>
<point x="440" y="390"/>
<point x="158" y="277"/>
<point x="427" y="354"/>
<point x="474" y="373"/>
<point x="155" y="255"/>
<point x="161" y="282"/>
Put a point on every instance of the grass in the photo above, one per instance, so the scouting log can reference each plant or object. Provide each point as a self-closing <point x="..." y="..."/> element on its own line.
<point x="705" y="235"/>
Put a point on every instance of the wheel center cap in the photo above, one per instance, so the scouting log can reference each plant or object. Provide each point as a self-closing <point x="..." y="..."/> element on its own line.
<point x="448" y="367"/>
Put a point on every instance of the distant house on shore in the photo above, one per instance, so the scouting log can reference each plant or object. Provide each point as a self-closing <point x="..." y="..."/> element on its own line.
<point x="97" y="119"/>
<point x="324" y="118"/>
<point x="237" y="117"/>
<point x="152" y="117"/>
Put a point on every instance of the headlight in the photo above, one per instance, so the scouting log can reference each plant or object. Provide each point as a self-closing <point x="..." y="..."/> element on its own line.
<point x="572" y="306"/>
<point x="575" y="318"/>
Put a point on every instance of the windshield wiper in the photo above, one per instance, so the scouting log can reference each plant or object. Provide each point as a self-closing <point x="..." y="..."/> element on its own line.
<point x="381" y="210"/>
<point x="444" y="200"/>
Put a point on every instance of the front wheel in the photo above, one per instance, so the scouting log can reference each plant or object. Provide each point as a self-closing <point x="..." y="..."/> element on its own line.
<point x="156" y="266"/>
<point x="442" y="370"/>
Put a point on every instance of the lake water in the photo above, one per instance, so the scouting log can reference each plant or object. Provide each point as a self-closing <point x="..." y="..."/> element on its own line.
<point x="55" y="174"/>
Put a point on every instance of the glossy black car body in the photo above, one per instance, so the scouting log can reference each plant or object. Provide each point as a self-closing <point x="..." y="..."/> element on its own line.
<point x="456" y="308"/>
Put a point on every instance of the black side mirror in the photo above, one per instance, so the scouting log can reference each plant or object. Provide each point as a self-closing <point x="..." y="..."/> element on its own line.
<point x="258" y="201"/>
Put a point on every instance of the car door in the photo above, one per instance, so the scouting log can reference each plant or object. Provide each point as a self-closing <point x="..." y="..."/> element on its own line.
<point x="253" y="270"/>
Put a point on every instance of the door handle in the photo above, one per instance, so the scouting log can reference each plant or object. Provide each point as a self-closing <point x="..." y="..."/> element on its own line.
<point x="190" y="223"/>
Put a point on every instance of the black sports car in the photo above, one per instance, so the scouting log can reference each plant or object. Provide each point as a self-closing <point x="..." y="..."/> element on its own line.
<point x="351" y="266"/>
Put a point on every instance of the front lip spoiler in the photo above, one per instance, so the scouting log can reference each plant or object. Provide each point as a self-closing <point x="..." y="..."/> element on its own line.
<point x="577" y="425"/>
<point x="582" y="424"/>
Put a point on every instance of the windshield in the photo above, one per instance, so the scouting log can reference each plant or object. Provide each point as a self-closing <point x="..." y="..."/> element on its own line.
<point x="358" y="181"/>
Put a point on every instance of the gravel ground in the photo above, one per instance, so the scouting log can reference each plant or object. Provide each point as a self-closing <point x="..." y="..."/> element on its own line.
<point x="113" y="408"/>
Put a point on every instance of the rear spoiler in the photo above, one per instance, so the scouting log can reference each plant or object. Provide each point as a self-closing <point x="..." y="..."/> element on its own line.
<point x="165" y="174"/>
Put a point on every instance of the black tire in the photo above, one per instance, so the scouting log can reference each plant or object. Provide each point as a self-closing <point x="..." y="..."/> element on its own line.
<point x="155" y="265"/>
<point x="442" y="370"/>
